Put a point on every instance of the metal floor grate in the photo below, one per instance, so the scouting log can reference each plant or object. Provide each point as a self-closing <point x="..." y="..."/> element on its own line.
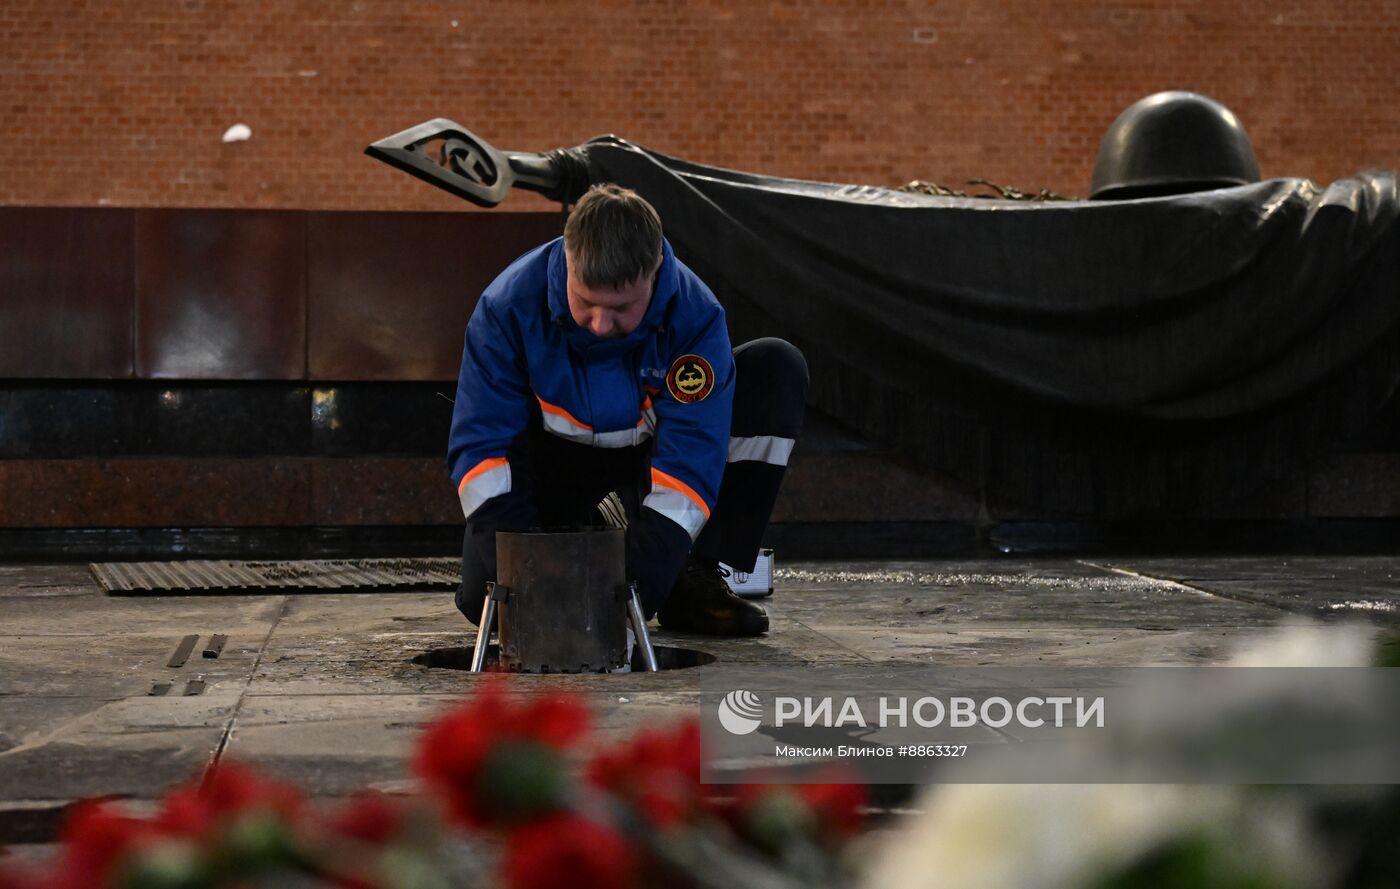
<point x="310" y="575"/>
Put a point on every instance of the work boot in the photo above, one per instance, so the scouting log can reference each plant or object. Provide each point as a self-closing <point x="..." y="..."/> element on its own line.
<point x="701" y="602"/>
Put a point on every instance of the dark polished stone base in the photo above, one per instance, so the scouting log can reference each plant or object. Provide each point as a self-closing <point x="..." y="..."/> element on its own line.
<point x="145" y="418"/>
<point x="861" y="540"/>
<point x="99" y="544"/>
<point x="1378" y="536"/>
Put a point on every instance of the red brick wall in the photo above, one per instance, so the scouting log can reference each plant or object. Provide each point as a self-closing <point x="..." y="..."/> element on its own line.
<point x="123" y="102"/>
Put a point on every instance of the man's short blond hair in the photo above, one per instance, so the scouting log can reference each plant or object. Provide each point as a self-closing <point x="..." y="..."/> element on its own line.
<point x="613" y="237"/>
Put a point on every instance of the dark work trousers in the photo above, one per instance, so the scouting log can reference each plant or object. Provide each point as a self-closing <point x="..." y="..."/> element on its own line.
<point x="565" y="481"/>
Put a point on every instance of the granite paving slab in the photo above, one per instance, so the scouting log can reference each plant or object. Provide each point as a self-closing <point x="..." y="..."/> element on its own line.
<point x="1324" y="586"/>
<point x="330" y="689"/>
<point x="128" y="747"/>
<point x="245" y="617"/>
<point x="1076" y="595"/>
<point x="964" y="645"/>
<point x="341" y="743"/>
<point x="112" y="667"/>
<point x="1246" y="567"/>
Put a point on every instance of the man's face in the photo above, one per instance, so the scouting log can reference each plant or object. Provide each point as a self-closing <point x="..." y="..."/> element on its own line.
<point x="606" y="312"/>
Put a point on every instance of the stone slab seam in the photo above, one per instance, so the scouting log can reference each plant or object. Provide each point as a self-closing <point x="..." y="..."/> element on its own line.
<point x="227" y="735"/>
<point x="1246" y="598"/>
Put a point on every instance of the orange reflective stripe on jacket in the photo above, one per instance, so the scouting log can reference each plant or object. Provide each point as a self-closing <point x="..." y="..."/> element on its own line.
<point x="487" y="479"/>
<point x="678" y="502"/>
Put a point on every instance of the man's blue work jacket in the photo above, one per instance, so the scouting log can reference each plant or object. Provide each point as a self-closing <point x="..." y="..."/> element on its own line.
<point x="670" y="381"/>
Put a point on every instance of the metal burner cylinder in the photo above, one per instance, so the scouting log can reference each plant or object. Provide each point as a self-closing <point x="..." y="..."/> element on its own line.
<point x="565" y="609"/>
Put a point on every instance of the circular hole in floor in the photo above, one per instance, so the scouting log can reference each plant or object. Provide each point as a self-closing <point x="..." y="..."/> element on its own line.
<point x="668" y="657"/>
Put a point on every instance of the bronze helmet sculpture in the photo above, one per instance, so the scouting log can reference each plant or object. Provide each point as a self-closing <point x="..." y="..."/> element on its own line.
<point x="1172" y="143"/>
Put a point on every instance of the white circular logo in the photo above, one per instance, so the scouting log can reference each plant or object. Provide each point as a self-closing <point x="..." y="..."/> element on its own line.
<point x="740" y="712"/>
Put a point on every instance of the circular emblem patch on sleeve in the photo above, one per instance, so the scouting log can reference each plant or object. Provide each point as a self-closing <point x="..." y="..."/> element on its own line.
<point x="690" y="379"/>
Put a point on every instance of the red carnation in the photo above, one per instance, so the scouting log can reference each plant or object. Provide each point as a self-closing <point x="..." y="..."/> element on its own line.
<point x="95" y="841"/>
<point x="229" y="789"/>
<point x="496" y="760"/>
<point x="99" y="843"/>
<point x="13" y="878"/>
<point x="770" y="816"/>
<point x="658" y="772"/>
<point x="837" y="807"/>
<point x="370" y="818"/>
<point x="568" y="852"/>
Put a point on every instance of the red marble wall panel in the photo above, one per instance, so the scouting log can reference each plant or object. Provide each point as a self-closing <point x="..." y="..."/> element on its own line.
<point x="390" y="293"/>
<point x="407" y="491"/>
<point x="154" y="493"/>
<point x="65" y="293"/>
<point x="220" y="294"/>
<point x="226" y="493"/>
<point x="383" y="491"/>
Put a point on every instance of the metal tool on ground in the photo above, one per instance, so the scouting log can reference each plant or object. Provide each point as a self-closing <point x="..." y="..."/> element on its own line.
<point x="755" y="584"/>
<point x="495" y="593"/>
<point x="182" y="651"/>
<point x="561" y="604"/>
<point x="638" y="621"/>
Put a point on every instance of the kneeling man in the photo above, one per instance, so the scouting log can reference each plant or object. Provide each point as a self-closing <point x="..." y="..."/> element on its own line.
<point x="598" y="364"/>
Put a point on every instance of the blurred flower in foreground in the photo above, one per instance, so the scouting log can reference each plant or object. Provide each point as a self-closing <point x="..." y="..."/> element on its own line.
<point x="569" y="852"/>
<point x="510" y="801"/>
<point x="370" y="818"/>
<point x="234" y="825"/>
<point x="500" y="760"/>
<point x="658" y="773"/>
<point x="1300" y="643"/>
<point x="803" y="828"/>
<point x="1062" y="836"/>
<point x="772" y="816"/>
<point x="1163" y="836"/>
